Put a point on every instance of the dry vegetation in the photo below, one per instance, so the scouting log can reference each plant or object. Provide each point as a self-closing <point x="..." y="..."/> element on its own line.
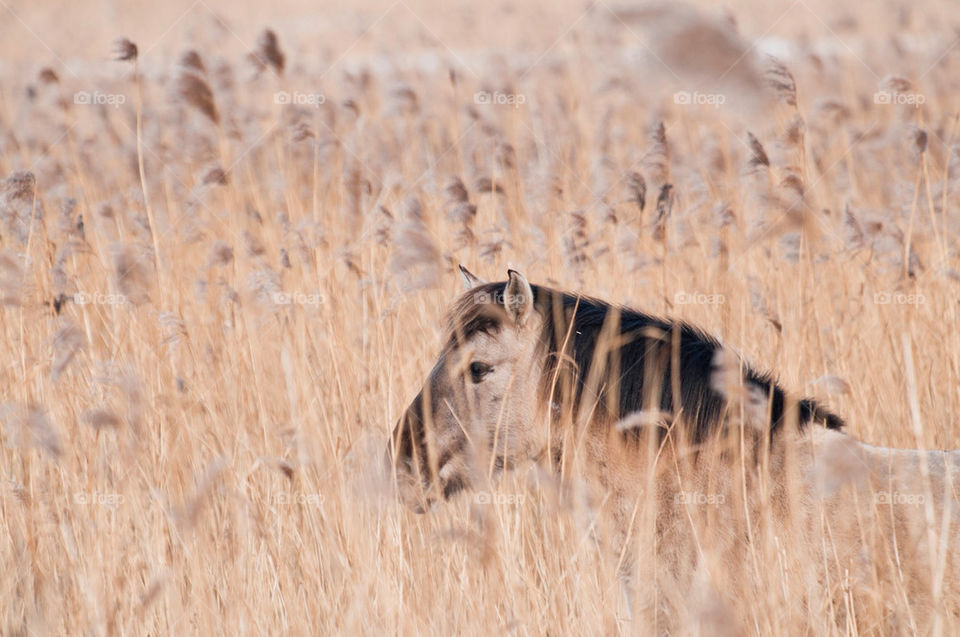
<point x="216" y="304"/>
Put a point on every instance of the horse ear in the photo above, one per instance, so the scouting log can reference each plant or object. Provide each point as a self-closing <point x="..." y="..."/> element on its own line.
<point x="470" y="280"/>
<point x="518" y="298"/>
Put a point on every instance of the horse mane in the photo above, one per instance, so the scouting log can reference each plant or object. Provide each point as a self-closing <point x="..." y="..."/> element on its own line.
<point x="639" y="354"/>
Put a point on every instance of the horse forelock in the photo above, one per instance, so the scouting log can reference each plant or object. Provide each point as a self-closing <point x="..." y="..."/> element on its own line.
<point x="480" y="309"/>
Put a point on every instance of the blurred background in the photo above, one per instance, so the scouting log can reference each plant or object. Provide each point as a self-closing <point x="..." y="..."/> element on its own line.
<point x="228" y="241"/>
<point x="317" y="34"/>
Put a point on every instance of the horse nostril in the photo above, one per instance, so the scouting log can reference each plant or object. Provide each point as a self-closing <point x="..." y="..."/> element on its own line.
<point x="454" y="485"/>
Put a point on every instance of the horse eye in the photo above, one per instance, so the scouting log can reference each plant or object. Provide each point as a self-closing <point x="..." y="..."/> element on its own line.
<point x="478" y="371"/>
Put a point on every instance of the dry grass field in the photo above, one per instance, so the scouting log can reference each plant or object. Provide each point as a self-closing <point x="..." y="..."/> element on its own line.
<point x="225" y="258"/>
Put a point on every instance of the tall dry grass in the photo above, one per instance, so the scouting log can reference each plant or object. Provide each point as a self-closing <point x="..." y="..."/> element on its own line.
<point x="220" y="292"/>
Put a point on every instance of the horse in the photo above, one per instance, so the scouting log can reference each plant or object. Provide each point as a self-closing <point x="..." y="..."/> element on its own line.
<point x="650" y="410"/>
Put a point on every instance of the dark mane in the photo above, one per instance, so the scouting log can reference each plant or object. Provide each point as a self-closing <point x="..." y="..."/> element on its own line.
<point x="638" y="370"/>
